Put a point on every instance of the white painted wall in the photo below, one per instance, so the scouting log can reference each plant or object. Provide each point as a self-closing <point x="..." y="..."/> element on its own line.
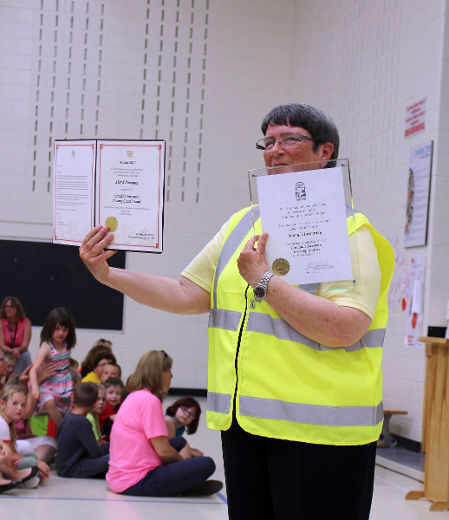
<point x="202" y="74"/>
<point x="199" y="73"/>
<point x="365" y="62"/>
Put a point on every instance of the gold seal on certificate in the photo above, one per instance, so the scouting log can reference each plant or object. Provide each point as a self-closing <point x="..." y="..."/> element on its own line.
<point x="280" y="266"/>
<point x="112" y="223"/>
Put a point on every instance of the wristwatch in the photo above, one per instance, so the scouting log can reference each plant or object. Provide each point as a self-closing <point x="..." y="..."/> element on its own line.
<point x="260" y="291"/>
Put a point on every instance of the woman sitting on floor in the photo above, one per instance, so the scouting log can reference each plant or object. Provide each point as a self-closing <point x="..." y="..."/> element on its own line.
<point x="143" y="461"/>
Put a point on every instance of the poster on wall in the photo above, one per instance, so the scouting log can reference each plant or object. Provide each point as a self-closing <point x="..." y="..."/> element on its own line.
<point x="415" y="118"/>
<point x="415" y="313"/>
<point x="418" y="191"/>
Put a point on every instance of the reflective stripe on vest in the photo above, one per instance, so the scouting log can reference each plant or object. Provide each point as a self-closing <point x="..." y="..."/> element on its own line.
<point x="266" y="324"/>
<point x="298" y="412"/>
<point x="311" y="414"/>
<point x="263" y="323"/>
<point x="220" y="403"/>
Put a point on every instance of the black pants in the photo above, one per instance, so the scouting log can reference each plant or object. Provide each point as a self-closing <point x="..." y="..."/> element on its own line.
<point x="174" y="478"/>
<point x="271" y="479"/>
<point x="88" y="467"/>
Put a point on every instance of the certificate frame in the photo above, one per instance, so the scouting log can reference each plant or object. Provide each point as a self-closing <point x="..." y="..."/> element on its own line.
<point x="125" y="187"/>
<point x="305" y="212"/>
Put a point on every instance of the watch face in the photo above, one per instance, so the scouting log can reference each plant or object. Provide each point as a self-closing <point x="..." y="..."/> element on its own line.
<point x="259" y="292"/>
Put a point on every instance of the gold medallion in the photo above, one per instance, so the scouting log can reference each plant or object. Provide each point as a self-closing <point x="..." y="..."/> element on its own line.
<point x="280" y="266"/>
<point x="112" y="223"/>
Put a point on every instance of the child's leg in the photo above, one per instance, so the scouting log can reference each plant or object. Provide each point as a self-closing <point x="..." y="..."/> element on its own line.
<point x="45" y="452"/>
<point x="88" y="467"/>
<point x="7" y="470"/>
<point x="28" y="460"/>
<point x="52" y="410"/>
<point x="14" y="473"/>
<point x="186" y="452"/>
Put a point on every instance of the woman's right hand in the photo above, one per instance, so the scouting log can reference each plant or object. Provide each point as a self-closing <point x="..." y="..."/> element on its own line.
<point x="93" y="253"/>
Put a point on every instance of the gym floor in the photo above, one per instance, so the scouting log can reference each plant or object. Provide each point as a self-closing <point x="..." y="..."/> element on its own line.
<point x="396" y="474"/>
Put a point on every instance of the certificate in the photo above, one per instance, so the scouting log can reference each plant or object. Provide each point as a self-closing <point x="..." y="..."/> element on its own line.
<point x="304" y="214"/>
<point x="115" y="183"/>
<point x="130" y="193"/>
<point x="73" y="191"/>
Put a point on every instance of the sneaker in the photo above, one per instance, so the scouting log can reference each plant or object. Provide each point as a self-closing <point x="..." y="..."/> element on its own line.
<point x="206" y="488"/>
<point x="31" y="483"/>
<point x="32" y="480"/>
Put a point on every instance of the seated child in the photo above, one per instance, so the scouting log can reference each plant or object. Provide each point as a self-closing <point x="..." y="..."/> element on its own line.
<point x="10" y="476"/>
<point x="92" y="416"/>
<point x="111" y="370"/>
<point x="43" y="446"/>
<point x="10" y="363"/>
<point x="181" y="415"/>
<point x="114" y="391"/>
<point x="13" y="405"/>
<point x="79" y="454"/>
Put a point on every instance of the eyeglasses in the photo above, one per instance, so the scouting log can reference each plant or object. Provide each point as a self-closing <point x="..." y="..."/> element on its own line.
<point x="186" y="412"/>
<point x="289" y="140"/>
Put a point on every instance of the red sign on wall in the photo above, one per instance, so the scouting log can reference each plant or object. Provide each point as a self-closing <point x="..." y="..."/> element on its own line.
<point x="415" y="118"/>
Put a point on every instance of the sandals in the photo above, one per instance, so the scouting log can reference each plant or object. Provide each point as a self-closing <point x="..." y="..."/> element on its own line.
<point x="11" y="485"/>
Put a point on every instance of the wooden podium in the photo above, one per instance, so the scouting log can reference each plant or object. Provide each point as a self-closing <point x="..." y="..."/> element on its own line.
<point x="436" y="425"/>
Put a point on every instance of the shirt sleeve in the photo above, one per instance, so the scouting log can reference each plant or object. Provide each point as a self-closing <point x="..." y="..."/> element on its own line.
<point x="201" y="269"/>
<point x="363" y="293"/>
<point x="5" y="433"/>
<point x="87" y="438"/>
<point x="153" y="418"/>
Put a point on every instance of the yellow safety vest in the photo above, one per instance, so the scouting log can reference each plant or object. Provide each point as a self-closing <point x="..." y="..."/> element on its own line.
<point x="285" y="385"/>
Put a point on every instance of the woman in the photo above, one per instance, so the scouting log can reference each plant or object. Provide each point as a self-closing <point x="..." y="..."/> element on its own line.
<point x="143" y="461"/>
<point x="99" y="359"/>
<point x="87" y="364"/>
<point x="15" y="332"/>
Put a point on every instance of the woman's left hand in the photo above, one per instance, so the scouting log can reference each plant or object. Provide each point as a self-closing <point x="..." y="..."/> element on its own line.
<point x="252" y="262"/>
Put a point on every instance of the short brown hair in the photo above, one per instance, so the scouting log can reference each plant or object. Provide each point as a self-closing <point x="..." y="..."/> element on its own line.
<point x="148" y="372"/>
<point x="85" y="394"/>
<point x="113" y="381"/>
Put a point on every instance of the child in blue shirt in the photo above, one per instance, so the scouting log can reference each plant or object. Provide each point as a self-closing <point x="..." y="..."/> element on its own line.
<point x="79" y="454"/>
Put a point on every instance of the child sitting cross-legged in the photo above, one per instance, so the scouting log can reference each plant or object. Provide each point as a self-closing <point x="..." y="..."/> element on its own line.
<point x="79" y="454"/>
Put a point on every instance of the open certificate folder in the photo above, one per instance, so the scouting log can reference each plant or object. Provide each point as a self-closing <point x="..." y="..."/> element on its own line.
<point x="119" y="184"/>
